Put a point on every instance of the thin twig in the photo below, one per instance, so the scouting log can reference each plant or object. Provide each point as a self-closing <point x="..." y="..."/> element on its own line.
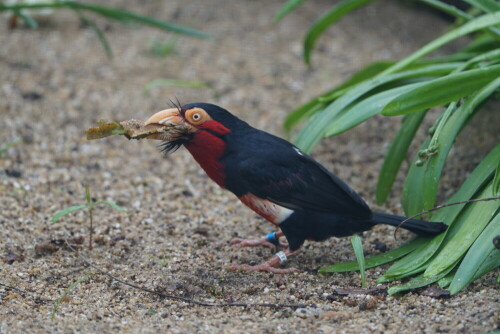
<point x="444" y="206"/>
<point x="183" y="299"/>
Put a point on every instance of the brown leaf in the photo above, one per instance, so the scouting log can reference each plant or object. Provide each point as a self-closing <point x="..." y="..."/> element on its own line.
<point x="376" y="290"/>
<point x="135" y="129"/>
<point x="435" y="292"/>
<point x="45" y="249"/>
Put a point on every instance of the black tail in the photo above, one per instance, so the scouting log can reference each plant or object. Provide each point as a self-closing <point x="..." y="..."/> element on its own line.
<point x="416" y="226"/>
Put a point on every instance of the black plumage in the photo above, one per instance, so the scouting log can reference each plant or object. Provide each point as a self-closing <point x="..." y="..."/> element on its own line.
<point x="268" y="167"/>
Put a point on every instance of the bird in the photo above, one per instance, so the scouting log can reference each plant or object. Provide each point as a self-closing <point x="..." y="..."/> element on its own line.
<point x="274" y="178"/>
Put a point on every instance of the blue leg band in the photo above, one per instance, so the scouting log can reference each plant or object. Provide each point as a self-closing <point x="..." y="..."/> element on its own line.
<point x="271" y="237"/>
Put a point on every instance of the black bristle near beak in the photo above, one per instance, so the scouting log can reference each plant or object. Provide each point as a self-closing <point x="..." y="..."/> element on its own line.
<point x="168" y="147"/>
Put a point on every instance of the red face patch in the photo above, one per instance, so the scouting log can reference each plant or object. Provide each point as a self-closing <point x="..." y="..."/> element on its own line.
<point x="207" y="148"/>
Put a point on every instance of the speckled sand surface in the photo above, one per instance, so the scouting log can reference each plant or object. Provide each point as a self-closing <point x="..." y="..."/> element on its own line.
<point x="56" y="81"/>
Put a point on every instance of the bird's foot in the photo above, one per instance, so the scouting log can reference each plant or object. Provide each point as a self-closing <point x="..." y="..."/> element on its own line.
<point x="271" y="266"/>
<point x="271" y="241"/>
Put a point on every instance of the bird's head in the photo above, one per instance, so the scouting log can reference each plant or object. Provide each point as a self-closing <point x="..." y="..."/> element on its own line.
<point x="190" y="120"/>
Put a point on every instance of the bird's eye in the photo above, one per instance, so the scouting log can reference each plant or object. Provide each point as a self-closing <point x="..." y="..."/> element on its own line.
<point x="196" y="116"/>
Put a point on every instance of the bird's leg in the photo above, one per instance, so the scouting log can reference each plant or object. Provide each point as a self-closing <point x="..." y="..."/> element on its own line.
<point x="270" y="265"/>
<point x="272" y="240"/>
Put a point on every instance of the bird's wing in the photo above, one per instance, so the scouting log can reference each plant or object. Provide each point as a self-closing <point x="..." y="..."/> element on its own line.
<point x="294" y="180"/>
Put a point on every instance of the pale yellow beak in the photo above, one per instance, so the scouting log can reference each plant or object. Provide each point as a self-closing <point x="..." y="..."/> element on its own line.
<point x="175" y="126"/>
<point x="166" y="117"/>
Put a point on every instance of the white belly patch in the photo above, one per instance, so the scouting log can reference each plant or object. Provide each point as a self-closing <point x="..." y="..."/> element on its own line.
<point x="272" y="212"/>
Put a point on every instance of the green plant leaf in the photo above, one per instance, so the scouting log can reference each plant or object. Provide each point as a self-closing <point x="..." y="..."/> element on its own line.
<point x="365" y="109"/>
<point x="488" y="6"/>
<point x="327" y="119"/>
<point x="330" y="17"/>
<point x="479" y="252"/>
<point x="88" y="198"/>
<point x="448" y="9"/>
<point x="417" y="282"/>
<point x="116" y="14"/>
<point x="97" y="31"/>
<point x="64" y="212"/>
<point x="396" y="277"/>
<point x="446" y="281"/>
<point x="27" y="19"/>
<point x="376" y="260"/>
<point x="364" y="74"/>
<point x="302" y="112"/>
<point x="358" y="251"/>
<point x="67" y="292"/>
<point x="496" y="181"/>
<point x="348" y="114"/>
<point x="176" y="83"/>
<point x="441" y="91"/>
<point x="111" y="204"/>
<point x="396" y="154"/>
<point x="286" y="9"/>
<point x="463" y="233"/>
<point x="482" y="22"/>
<point x="476" y="180"/>
<point x="420" y="188"/>
<point x="319" y="102"/>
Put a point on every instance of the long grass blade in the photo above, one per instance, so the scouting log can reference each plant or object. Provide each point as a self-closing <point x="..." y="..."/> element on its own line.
<point x="117" y="14"/>
<point x="448" y="9"/>
<point x="330" y="17"/>
<point x="482" y="22"/>
<point x="441" y="91"/>
<point x="286" y="9"/>
<point x="124" y="14"/>
<point x="487" y="6"/>
<point x="358" y="251"/>
<point x="98" y="32"/>
<point x="112" y="205"/>
<point x="496" y="181"/>
<point x="417" y="282"/>
<point x="27" y="19"/>
<point x="420" y="189"/>
<point x="480" y="252"/>
<point x="319" y="102"/>
<point x="327" y="119"/>
<point x="463" y="233"/>
<point x="376" y="260"/>
<point x="477" y="179"/>
<point x="396" y="154"/>
<point x="64" y="212"/>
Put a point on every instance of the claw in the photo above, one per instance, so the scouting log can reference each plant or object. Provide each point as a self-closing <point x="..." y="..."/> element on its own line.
<point x="271" y="265"/>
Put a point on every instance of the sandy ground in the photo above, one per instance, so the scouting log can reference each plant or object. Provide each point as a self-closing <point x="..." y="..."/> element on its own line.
<point x="56" y="81"/>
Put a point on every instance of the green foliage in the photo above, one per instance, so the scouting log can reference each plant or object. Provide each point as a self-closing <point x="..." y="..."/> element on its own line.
<point x="89" y="206"/>
<point x="115" y="14"/>
<point x="376" y="260"/>
<point x="360" y="257"/>
<point x="461" y="82"/>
